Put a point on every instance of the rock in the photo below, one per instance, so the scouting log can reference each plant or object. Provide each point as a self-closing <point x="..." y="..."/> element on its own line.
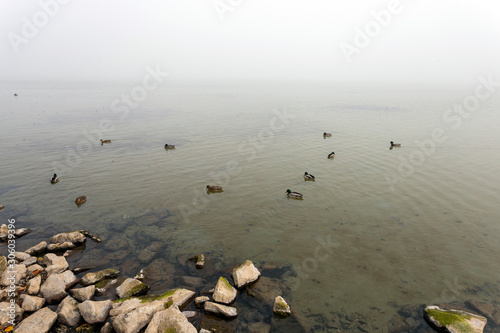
<point x="74" y="237"/>
<point x="60" y="246"/>
<point x="33" y="286"/>
<point x="199" y="301"/>
<point x="259" y="328"/>
<point x="20" y="273"/>
<point x="205" y="331"/>
<point x="21" y="256"/>
<point x="67" y="312"/>
<point x="33" y="268"/>
<point x="91" y="278"/>
<point x="37" y="249"/>
<point x="158" y="274"/>
<point x="245" y="274"/>
<point x="69" y="279"/>
<point x="32" y="303"/>
<point x="39" y="322"/>
<point x="53" y="289"/>
<point x="116" y="244"/>
<point x="267" y="289"/>
<point x="199" y="259"/>
<point x="107" y="328"/>
<point x="2" y="206"/>
<point x="131" y="287"/>
<point x="170" y="320"/>
<point x="133" y="321"/>
<point x="94" y="312"/>
<point x="486" y="309"/>
<point x="4" y="231"/>
<point x="281" y="308"/>
<point x="5" y="308"/>
<point x="30" y="261"/>
<point x="224" y="292"/>
<point x="150" y="251"/>
<point x="95" y="238"/>
<point x="3" y="264"/>
<point x="22" y="231"/>
<point x="55" y="264"/>
<point x="189" y="314"/>
<point x="140" y="276"/>
<point x="219" y="309"/>
<point x="192" y="281"/>
<point x="454" y="320"/>
<point x="119" y="255"/>
<point x="104" y="285"/>
<point x="83" y="294"/>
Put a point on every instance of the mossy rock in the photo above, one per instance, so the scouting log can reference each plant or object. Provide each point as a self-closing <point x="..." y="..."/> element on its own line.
<point x="455" y="321"/>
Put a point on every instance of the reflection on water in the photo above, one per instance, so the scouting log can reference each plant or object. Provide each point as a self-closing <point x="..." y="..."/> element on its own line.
<point x="404" y="233"/>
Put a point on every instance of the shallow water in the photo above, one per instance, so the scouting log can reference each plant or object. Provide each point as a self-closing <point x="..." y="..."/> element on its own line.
<point x="425" y="238"/>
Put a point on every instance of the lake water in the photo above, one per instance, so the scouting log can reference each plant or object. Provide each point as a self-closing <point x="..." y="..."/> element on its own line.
<point x="379" y="229"/>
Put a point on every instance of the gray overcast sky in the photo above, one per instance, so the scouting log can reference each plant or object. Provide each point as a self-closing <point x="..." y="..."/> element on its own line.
<point x="445" y="40"/>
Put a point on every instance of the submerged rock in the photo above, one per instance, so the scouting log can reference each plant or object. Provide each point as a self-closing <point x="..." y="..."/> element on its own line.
<point x="67" y="312"/>
<point x="199" y="259"/>
<point x="74" y="237"/>
<point x="486" y="309"/>
<point x="131" y="287"/>
<point x="94" y="312"/>
<point x="245" y="274"/>
<point x="455" y="321"/>
<point x="170" y="320"/>
<point x="93" y="237"/>
<point x="219" y="309"/>
<point x="224" y="291"/>
<point x="40" y="322"/>
<point x="281" y="308"/>
<point x="91" y="278"/>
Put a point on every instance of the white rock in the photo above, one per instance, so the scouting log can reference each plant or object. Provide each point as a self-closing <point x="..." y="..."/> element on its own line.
<point x="55" y="264"/>
<point x="168" y="320"/>
<point x="94" y="312"/>
<point x="33" y="286"/>
<point x="245" y="274"/>
<point x="19" y="272"/>
<point x="224" y="292"/>
<point x="39" y="322"/>
<point x="5" y="308"/>
<point x="219" y="309"/>
<point x="281" y="308"/>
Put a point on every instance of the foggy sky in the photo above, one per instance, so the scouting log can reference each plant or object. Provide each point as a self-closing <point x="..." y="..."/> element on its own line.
<point x="295" y="40"/>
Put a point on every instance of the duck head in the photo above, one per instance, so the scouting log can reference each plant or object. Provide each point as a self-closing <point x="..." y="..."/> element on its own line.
<point x="288" y="191"/>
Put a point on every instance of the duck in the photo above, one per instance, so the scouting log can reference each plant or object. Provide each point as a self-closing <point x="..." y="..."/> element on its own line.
<point x="214" y="188"/>
<point x="308" y="176"/>
<point x="293" y="195"/>
<point x="81" y="200"/>
<point x="167" y="146"/>
<point x="105" y="141"/>
<point x="54" y="179"/>
<point x="395" y="144"/>
<point x="331" y="155"/>
<point x="15" y="95"/>
<point x="327" y="135"/>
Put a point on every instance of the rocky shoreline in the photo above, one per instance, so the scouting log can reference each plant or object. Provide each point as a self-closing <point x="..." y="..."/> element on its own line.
<point x="46" y="294"/>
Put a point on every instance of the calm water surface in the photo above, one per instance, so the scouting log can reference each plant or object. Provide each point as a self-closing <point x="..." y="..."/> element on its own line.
<point x="405" y="227"/>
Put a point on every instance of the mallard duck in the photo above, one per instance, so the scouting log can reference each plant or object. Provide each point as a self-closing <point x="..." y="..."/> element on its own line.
<point x="293" y="195"/>
<point x="167" y="146"/>
<point x="331" y="155"/>
<point x="105" y="141"/>
<point x="308" y="176"/>
<point x="81" y="200"/>
<point x="214" y="188"/>
<point x="327" y="135"/>
<point x="54" y="179"/>
<point x="395" y="144"/>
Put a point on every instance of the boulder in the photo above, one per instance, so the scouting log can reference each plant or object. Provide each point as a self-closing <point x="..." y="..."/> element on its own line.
<point x="107" y="328"/>
<point x="60" y="246"/>
<point x="94" y="312"/>
<point x="67" y="312"/>
<point x="281" y="308"/>
<point x="219" y="309"/>
<point x="39" y="322"/>
<point x="33" y="268"/>
<point x="131" y="287"/>
<point x="245" y="274"/>
<point x="69" y="279"/>
<point x="37" y="249"/>
<point x="74" y="237"/>
<point x="83" y="294"/>
<point x="5" y="312"/>
<point x="30" y="261"/>
<point x="21" y="256"/>
<point x="133" y="321"/>
<point x="455" y="321"/>
<point x="55" y="264"/>
<point x="20" y="273"/>
<point x="53" y="289"/>
<point x="91" y="278"/>
<point x="33" y="286"/>
<point x="170" y="320"/>
<point x="224" y="291"/>
<point x="199" y="301"/>
<point x="32" y="303"/>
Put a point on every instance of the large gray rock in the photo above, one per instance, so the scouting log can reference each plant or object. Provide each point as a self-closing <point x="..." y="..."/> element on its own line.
<point x="131" y="287"/>
<point x="37" y="249"/>
<point x="33" y="286"/>
<point x="245" y="274"/>
<point x="32" y="303"/>
<point x="280" y="307"/>
<point x="21" y="256"/>
<point x="60" y="246"/>
<point x="69" y="279"/>
<point x="224" y="291"/>
<point x="83" y="294"/>
<point x="91" y="278"/>
<point x="39" y="322"/>
<point x="486" y="309"/>
<point x="222" y="310"/>
<point x="55" y="264"/>
<point x="5" y="308"/>
<point x="74" y="237"/>
<point x="67" y="312"/>
<point x="53" y="289"/>
<point x="454" y="321"/>
<point x="94" y="312"/>
<point x="20" y="273"/>
<point x="30" y="261"/>
<point x="134" y="320"/>
<point x="170" y="320"/>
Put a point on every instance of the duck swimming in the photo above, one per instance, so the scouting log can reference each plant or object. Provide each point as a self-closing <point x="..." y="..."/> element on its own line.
<point x="81" y="200"/>
<point x="294" y="195"/>
<point x="331" y="155"/>
<point x="395" y="144"/>
<point x="308" y="176"/>
<point x="167" y="146"/>
<point x="105" y="141"/>
<point x="214" y="188"/>
<point x="54" y="179"/>
<point x="327" y="135"/>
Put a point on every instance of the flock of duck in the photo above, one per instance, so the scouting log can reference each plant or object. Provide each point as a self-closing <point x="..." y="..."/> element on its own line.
<point x="217" y="189"/>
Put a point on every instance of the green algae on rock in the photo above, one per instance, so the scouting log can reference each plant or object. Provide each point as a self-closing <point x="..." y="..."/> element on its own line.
<point x="454" y="321"/>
